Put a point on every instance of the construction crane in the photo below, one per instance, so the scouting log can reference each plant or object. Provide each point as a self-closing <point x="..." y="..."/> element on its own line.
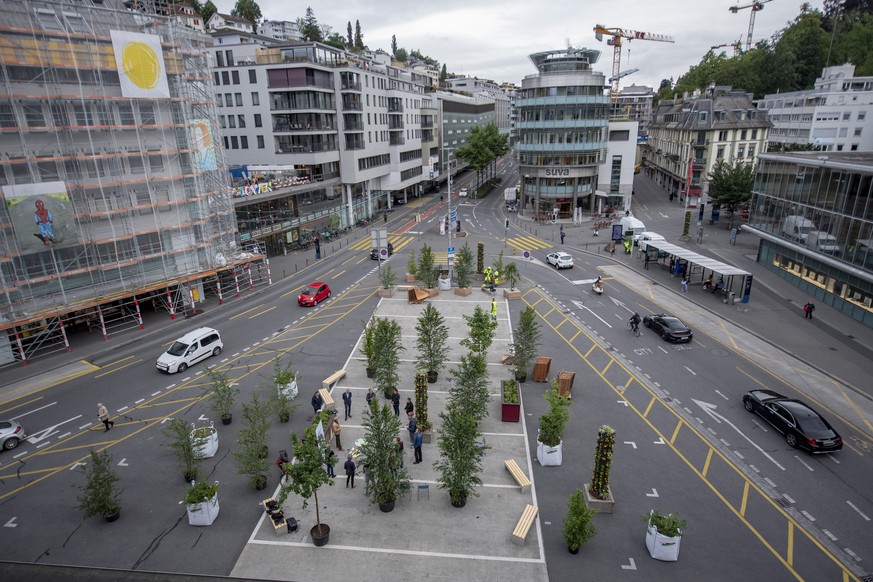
<point x="616" y="34"/>
<point x="736" y="46"/>
<point x="756" y="6"/>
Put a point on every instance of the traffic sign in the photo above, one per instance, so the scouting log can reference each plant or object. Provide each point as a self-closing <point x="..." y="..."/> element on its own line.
<point x="451" y="250"/>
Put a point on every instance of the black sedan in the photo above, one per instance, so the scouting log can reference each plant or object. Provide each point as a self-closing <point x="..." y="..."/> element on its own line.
<point x="374" y="254"/>
<point x="669" y="328"/>
<point x="802" y="426"/>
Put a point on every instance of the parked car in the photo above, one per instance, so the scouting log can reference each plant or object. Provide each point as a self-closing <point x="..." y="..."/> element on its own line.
<point x="802" y="426"/>
<point x="11" y="433"/>
<point x="374" y="254"/>
<point x="313" y="294"/>
<point x="668" y="327"/>
<point x="462" y="193"/>
<point x="560" y="260"/>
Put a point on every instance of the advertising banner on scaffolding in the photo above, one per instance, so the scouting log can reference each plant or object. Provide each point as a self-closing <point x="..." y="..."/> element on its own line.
<point x="140" y="63"/>
<point x="41" y="215"/>
<point x="204" y="145"/>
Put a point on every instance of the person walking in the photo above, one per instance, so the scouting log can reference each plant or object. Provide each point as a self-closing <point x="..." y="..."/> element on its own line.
<point x="562" y="234"/>
<point x="336" y="429"/>
<point x="807" y="310"/>
<point x="409" y="406"/>
<point x="412" y="426"/>
<point x="370" y="396"/>
<point x="416" y="444"/>
<point x="493" y="309"/>
<point x="646" y="264"/>
<point x="685" y="283"/>
<point x="350" y="468"/>
<point x="103" y="415"/>
<point x="317" y="402"/>
<point x="398" y="442"/>
<point x="330" y="461"/>
<point x="395" y="402"/>
<point x="596" y="231"/>
<point x="347" y="403"/>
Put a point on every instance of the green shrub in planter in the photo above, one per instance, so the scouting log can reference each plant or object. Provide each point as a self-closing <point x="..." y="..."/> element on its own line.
<point x="525" y="341"/>
<point x="387" y="277"/>
<point x="578" y="529"/>
<point x="200" y="492"/>
<point x="412" y="264"/>
<point x="249" y="453"/>
<point x="185" y="445"/>
<point x="100" y="494"/>
<point x="512" y="275"/>
<point x="482" y="328"/>
<point x="464" y="266"/>
<point x="667" y="524"/>
<point x="554" y="421"/>
<point x="431" y="339"/>
<point x="427" y="269"/>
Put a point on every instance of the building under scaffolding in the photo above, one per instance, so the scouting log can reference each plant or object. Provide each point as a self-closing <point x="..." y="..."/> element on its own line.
<point x="114" y="187"/>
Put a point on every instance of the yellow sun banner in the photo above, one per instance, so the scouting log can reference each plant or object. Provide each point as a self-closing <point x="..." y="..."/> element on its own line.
<point x="140" y="63"/>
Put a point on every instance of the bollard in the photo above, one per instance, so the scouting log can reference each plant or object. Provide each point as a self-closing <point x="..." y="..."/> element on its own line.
<point x="295" y="267"/>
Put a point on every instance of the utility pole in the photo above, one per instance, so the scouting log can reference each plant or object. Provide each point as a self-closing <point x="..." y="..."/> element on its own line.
<point x="449" y="210"/>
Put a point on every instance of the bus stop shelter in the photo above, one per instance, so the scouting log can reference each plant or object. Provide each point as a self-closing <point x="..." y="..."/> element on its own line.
<point x="734" y="282"/>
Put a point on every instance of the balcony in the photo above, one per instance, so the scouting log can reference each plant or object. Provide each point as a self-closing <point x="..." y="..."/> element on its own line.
<point x="395" y="122"/>
<point x="353" y="105"/>
<point x="350" y="87"/>
<point x="396" y="139"/>
<point x="698" y="163"/>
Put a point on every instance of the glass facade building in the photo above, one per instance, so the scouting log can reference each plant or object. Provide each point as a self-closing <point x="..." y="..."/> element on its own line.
<point x="814" y="214"/>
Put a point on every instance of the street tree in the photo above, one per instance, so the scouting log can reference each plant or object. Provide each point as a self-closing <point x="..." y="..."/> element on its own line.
<point x="249" y="10"/>
<point x="393" y="44"/>
<point x="359" y="37"/>
<point x="730" y="186"/>
<point x="351" y="39"/>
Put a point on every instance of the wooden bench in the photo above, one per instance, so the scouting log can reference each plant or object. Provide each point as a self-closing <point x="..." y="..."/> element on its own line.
<point x="278" y="526"/>
<point x="328" y="382"/>
<point x="527" y="518"/>
<point x="519" y="475"/>
<point x="326" y="397"/>
<point x="416" y="295"/>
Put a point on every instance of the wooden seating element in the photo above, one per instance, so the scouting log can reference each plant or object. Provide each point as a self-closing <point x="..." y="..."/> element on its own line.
<point x="519" y="535"/>
<point x="517" y="474"/>
<point x="417" y="295"/>
<point x="328" y="382"/>
<point x="326" y="397"/>
<point x="541" y="369"/>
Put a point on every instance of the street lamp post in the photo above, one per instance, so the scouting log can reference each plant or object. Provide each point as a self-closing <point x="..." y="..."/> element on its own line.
<point x="449" y="212"/>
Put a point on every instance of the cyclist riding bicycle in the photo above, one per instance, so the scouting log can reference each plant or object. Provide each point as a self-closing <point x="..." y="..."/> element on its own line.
<point x="635" y="322"/>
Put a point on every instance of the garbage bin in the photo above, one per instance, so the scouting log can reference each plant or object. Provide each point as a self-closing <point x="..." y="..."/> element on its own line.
<point x="730" y="298"/>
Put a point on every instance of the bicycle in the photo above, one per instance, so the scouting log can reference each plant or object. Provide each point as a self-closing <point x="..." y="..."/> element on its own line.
<point x="634" y="327"/>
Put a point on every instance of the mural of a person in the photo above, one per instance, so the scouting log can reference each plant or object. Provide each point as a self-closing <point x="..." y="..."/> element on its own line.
<point x="43" y="218"/>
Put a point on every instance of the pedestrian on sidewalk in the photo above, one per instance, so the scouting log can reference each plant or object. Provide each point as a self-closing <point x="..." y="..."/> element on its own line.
<point x="411" y="427"/>
<point x="646" y="264"/>
<point x="416" y="443"/>
<point x="350" y="468"/>
<point x="370" y="396"/>
<point x="103" y="415"/>
<point x="685" y="283"/>
<point x="409" y="406"/>
<point x="336" y="429"/>
<point x="398" y="442"/>
<point x="330" y="461"/>
<point x="596" y="231"/>
<point x="347" y="403"/>
<point x="807" y="311"/>
<point x="395" y="402"/>
<point x="562" y="234"/>
<point x="317" y="402"/>
<point x="494" y="309"/>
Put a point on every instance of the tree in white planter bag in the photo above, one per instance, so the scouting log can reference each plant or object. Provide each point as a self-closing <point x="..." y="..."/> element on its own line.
<point x="552" y="425"/>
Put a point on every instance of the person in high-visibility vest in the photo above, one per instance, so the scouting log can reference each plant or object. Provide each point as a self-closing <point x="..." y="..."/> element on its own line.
<point x="494" y="309"/>
<point x="487" y="274"/>
<point x="495" y="279"/>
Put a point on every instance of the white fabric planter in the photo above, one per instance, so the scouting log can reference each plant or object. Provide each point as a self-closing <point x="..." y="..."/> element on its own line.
<point x="203" y="513"/>
<point x="209" y="446"/>
<point x="550" y="456"/>
<point x="660" y="546"/>
<point x="289" y="390"/>
<point x="445" y="284"/>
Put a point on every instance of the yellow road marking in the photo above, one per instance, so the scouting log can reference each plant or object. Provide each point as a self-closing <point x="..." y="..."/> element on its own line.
<point x="8" y="410"/>
<point x="706" y="464"/>
<point x="292" y="292"/>
<point x="649" y="407"/>
<point x="745" y="498"/>
<point x="574" y="337"/>
<point x="790" y="551"/>
<point x="118" y="368"/>
<point x="262" y="312"/>
<point x="244" y="312"/>
<point x="857" y="411"/>
<point x="350" y="259"/>
<point x="676" y="431"/>
<point x="116" y="362"/>
<point x="338" y="274"/>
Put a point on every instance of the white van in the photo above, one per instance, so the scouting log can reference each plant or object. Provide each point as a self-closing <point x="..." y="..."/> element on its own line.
<point x="647" y="237"/>
<point x="823" y="242"/>
<point x="632" y="226"/>
<point x="798" y="228"/>
<point x="189" y="349"/>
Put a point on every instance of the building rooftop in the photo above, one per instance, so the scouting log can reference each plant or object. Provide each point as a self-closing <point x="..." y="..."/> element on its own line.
<point x="857" y="160"/>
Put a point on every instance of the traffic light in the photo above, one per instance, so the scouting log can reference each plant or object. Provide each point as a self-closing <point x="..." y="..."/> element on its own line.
<point x="507" y="223"/>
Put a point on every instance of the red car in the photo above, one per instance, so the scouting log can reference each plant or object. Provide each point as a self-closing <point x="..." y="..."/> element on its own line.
<point x="314" y="294"/>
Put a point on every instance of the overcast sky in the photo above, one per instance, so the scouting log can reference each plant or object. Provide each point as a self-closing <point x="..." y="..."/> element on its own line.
<point x="491" y="39"/>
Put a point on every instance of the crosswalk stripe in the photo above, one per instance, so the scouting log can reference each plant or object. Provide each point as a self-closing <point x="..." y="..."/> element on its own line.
<point x="526" y="243"/>
<point x="394" y="239"/>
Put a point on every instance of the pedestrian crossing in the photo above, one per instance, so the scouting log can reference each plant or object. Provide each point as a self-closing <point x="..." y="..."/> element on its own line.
<point x="527" y="243"/>
<point x="398" y="240"/>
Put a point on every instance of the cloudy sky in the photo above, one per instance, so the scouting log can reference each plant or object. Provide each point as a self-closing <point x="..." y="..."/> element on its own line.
<point x="492" y="39"/>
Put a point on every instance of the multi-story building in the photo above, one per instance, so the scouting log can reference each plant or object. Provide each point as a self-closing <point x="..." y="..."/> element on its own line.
<point x="814" y="214"/>
<point x="280" y="29"/>
<point x="562" y="125"/>
<point x="835" y="115"/>
<point x="456" y="116"/>
<point x="218" y="22"/>
<point x="189" y="17"/>
<point x="616" y="177"/>
<point x="316" y="123"/>
<point x="635" y="102"/>
<point x="484" y="91"/>
<point x="689" y="135"/>
<point x="114" y="188"/>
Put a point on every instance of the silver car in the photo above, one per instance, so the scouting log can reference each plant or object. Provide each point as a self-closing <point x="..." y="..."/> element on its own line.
<point x="11" y="433"/>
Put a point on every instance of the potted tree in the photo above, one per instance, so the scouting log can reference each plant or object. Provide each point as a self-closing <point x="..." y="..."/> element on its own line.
<point x="421" y="417"/>
<point x="100" y="494"/>
<point x="185" y="443"/>
<point x="578" y="529"/>
<point x="471" y="384"/>
<point x="387" y="278"/>
<point x="552" y="425"/>
<point x="411" y="267"/>
<point x="525" y="342"/>
<point x="481" y="331"/>
<point x="251" y="451"/>
<point x="598" y="494"/>
<point x="221" y="394"/>
<point x="460" y="462"/>
<point x="510" y="409"/>
<point x="389" y="480"/>
<point x="663" y="534"/>
<point x="432" y="341"/>
<point x="428" y="271"/>
<point x="368" y="346"/>
<point x="512" y="277"/>
<point x="201" y="503"/>
<point x="387" y="337"/>
<point x="464" y="270"/>
<point x="284" y="378"/>
<point x="306" y="476"/>
<point x="205" y="440"/>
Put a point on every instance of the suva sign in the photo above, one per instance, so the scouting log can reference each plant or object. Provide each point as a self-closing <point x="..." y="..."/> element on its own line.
<point x="557" y="172"/>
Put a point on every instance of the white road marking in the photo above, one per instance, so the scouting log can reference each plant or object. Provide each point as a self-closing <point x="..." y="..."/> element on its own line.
<point x="830" y="535"/>
<point x="807" y="515"/>
<point x="802" y="462"/>
<point x="722" y="395"/>
<point x="631" y="566"/>
<point x="631" y="443"/>
<point x="861" y="513"/>
<point x="770" y="482"/>
<point x="141" y="400"/>
<point x="32" y="411"/>
<point x="123" y="408"/>
<point x="45" y="433"/>
<point x="84" y="426"/>
<point x="11" y="523"/>
<point x="660" y="441"/>
<point x="710" y="410"/>
<point x="581" y="305"/>
<point x="123" y="462"/>
<point x="65" y="435"/>
<point x="690" y="370"/>
<point x="622" y="402"/>
<point x="654" y="493"/>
